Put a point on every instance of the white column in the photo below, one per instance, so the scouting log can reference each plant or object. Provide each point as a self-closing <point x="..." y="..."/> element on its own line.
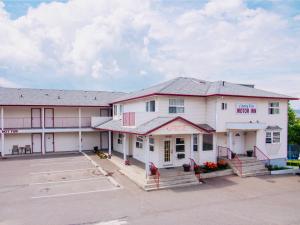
<point x="43" y="130"/>
<point x="79" y="127"/>
<point x="2" y="132"/>
<point x="229" y="142"/>
<point x="109" y="142"/>
<point x="147" y="158"/>
<point x="192" y="147"/>
<point x="200" y="146"/>
<point x="124" y="146"/>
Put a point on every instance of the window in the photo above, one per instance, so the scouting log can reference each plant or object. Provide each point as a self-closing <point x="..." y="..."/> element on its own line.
<point x="176" y="105"/>
<point x="120" y="109"/>
<point x="272" y="137"/>
<point x="273" y="108"/>
<point x="224" y="106"/>
<point x="139" y="142"/>
<point x="151" y="144"/>
<point x="195" y="142"/>
<point x="115" y="110"/>
<point x="120" y="138"/>
<point x="207" y="142"/>
<point x="150" y="106"/>
<point x="180" y="148"/>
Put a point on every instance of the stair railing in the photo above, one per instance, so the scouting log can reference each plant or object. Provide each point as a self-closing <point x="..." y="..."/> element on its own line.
<point x="157" y="174"/>
<point x="224" y="152"/>
<point x="259" y="155"/>
<point x="193" y="166"/>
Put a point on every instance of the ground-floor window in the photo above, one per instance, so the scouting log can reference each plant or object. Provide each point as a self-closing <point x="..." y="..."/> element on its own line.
<point x="272" y="137"/>
<point x="180" y="148"/>
<point x="151" y="144"/>
<point x="208" y="140"/>
<point x="120" y="137"/>
<point x="139" y="142"/>
<point x="195" y="142"/>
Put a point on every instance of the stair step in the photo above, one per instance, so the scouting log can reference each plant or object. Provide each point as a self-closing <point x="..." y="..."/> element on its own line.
<point x="172" y="180"/>
<point x="152" y="188"/>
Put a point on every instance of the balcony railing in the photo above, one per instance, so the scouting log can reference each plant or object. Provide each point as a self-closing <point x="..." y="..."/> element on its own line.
<point x="49" y="122"/>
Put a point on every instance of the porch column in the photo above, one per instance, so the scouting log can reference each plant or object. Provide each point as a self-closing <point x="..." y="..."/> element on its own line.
<point x="2" y="132"/>
<point x="79" y="127"/>
<point x="124" y="146"/>
<point x="146" y="149"/>
<point x="43" y="130"/>
<point x="229" y="141"/>
<point x="192" y="147"/>
<point x="200" y="145"/>
<point x="109" y="142"/>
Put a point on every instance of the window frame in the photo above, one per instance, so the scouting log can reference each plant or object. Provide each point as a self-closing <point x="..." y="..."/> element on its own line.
<point x="115" y="110"/>
<point x="204" y="145"/>
<point x="180" y="151"/>
<point x="175" y="103"/>
<point x="274" y="110"/>
<point x="269" y="139"/>
<point x="139" y="142"/>
<point x="121" y="109"/>
<point x="120" y="139"/>
<point x="195" y="142"/>
<point x="150" y="106"/>
<point x="224" y="106"/>
<point x="151" y="144"/>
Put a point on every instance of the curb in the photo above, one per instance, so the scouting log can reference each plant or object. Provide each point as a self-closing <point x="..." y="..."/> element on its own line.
<point x="112" y="180"/>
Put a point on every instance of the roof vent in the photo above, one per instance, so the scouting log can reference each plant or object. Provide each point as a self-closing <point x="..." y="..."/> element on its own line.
<point x="95" y="98"/>
<point x="58" y="97"/>
<point x="223" y="83"/>
<point x="47" y="94"/>
<point x="21" y="96"/>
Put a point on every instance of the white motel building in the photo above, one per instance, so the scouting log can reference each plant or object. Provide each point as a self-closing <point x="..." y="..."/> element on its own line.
<point x="167" y="124"/>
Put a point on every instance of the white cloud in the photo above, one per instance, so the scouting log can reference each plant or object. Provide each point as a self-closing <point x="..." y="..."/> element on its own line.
<point x="93" y="38"/>
<point x="6" y="83"/>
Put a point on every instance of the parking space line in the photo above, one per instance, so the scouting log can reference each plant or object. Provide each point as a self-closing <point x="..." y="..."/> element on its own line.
<point x="61" y="171"/>
<point x="54" y="163"/>
<point x="68" y="181"/>
<point x="76" y="193"/>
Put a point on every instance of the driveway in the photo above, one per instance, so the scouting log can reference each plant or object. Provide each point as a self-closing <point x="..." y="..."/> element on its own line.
<point x="70" y="190"/>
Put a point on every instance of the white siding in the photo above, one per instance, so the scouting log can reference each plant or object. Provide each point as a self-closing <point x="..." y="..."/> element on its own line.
<point x="16" y="139"/>
<point x="90" y="140"/>
<point x="66" y="142"/>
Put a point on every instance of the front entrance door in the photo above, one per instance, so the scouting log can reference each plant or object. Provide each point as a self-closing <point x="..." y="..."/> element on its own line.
<point x="36" y="143"/>
<point x="49" y="142"/>
<point x="238" y="142"/>
<point x="168" y="156"/>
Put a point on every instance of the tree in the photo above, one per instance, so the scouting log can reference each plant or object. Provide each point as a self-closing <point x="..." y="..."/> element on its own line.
<point x="293" y="127"/>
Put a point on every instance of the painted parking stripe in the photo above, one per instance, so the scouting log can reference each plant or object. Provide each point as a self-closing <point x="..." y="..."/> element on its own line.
<point x="61" y="171"/>
<point x="54" y="163"/>
<point x="75" y="193"/>
<point x="113" y="222"/>
<point x="68" y="181"/>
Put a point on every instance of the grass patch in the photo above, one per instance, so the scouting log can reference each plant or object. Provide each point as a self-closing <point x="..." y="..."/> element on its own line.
<point x="293" y="163"/>
<point x="274" y="168"/>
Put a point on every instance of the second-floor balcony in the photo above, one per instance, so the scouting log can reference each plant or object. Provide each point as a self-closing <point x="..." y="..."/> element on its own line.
<point x="49" y="122"/>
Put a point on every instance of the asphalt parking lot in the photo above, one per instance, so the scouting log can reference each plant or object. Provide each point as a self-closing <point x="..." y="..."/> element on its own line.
<point x="70" y="190"/>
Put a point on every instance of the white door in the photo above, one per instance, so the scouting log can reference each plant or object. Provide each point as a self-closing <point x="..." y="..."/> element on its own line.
<point x="104" y="140"/>
<point x="49" y="142"/>
<point x="36" y="143"/>
<point x="168" y="152"/>
<point x="238" y="143"/>
<point x="36" y="118"/>
<point x="49" y="118"/>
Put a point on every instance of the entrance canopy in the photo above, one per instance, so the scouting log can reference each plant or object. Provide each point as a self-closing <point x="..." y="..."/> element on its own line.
<point x="246" y="126"/>
<point x="158" y="126"/>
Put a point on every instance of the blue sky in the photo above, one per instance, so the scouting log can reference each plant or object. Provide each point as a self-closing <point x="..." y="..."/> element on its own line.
<point x="128" y="45"/>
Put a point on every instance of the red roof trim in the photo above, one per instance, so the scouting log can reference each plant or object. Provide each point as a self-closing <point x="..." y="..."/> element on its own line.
<point x="119" y="131"/>
<point x="100" y="106"/>
<point x="179" y="118"/>
<point x="187" y="95"/>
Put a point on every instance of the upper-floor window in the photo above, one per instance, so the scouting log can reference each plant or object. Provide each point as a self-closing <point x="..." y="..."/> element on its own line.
<point x="224" y="106"/>
<point x="115" y="110"/>
<point x="272" y="137"/>
<point x="150" y="106"/>
<point x="120" y="138"/>
<point x="151" y="144"/>
<point x="176" y="105"/>
<point x="208" y="142"/>
<point x="273" y="107"/>
<point x="195" y="142"/>
<point x="139" y="142"/>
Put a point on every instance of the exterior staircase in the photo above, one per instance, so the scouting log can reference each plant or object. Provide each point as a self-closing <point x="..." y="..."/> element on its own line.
<point x="248" y="166"/>
<point x="171" y="178"/>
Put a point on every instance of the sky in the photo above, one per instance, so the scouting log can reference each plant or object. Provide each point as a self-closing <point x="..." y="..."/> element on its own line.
<point x="130" y="44"/>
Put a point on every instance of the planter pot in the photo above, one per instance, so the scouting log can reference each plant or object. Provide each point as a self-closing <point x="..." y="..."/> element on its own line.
<point x="153" y="171"/>
<point x="186" y="167"/>
<point x="249" y="153"/>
